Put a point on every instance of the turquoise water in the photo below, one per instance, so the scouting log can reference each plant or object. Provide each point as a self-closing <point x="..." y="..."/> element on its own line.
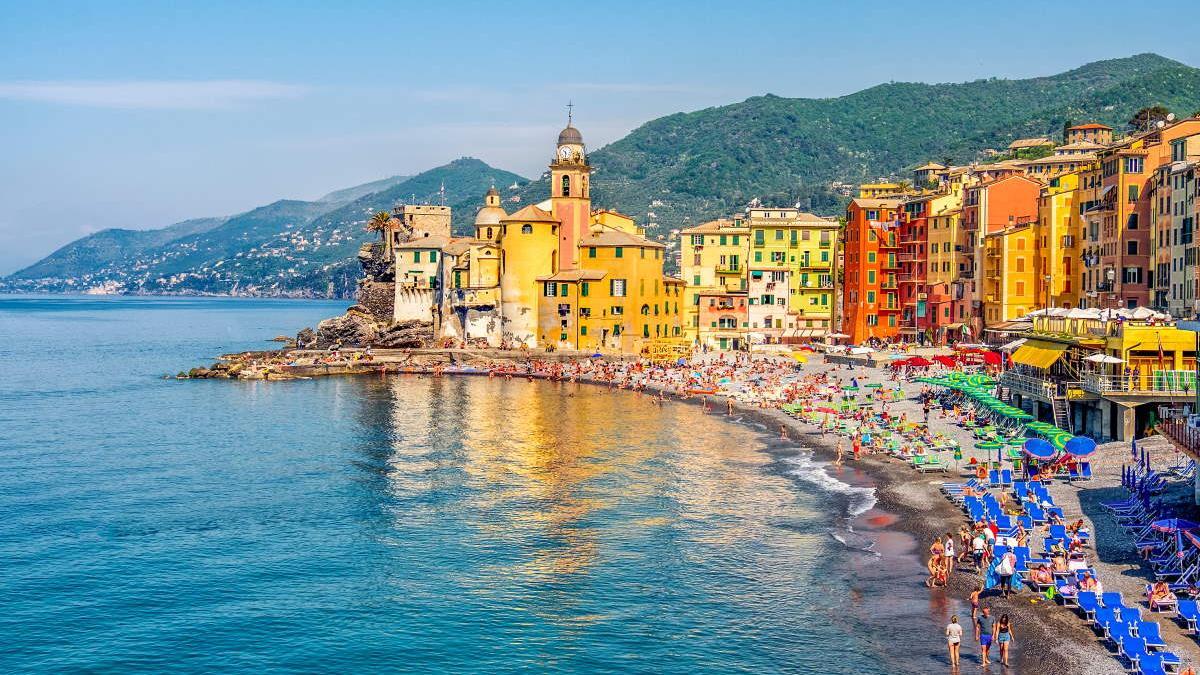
<point x="405" y="524"/>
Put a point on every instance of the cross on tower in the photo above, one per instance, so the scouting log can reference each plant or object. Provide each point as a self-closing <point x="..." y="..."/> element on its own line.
<point x="570" y="111"/>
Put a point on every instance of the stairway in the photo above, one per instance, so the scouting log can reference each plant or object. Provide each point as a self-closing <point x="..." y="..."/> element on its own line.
<point x="1005" y="395"/>
<point x="1062" y="412"/>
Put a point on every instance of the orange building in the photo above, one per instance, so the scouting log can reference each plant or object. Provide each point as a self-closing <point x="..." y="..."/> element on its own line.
<point x="871" y="303"/>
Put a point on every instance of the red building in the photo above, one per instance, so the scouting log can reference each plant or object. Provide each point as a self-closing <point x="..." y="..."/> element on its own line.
<point x="871" y="259"/>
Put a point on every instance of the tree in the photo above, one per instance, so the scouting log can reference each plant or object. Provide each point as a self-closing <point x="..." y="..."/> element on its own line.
<point x="1145" y="118"/>
<point x="1066" y="125"/>
<point x="379" y="222"/>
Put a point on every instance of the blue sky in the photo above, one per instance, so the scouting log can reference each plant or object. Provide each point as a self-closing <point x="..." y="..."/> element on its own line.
<point x="121" y="114"/>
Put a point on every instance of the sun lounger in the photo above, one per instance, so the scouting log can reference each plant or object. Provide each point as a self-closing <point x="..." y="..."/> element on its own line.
<point x="1088" y="603"/>
<point x="1149" y="631"/>
<point x="1189" y="611"/>
<point x="1156" y="663"/>
<point x="1112" y="599"/>
<point x="1085" y="470"/>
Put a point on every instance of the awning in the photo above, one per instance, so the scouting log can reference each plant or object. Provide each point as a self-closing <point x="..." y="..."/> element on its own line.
<point x="1039" y="353"/>
<point x="953" y="326"/>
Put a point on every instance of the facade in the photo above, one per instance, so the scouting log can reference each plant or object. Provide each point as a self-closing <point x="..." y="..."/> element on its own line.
<point x="870" y="281"/>
<point x="1175" y="212"/>
<point x="1010" y="273"/>
<point x="554" y="274"/>
<point x="714" y="259"/>
<point x="1059" y="235"/>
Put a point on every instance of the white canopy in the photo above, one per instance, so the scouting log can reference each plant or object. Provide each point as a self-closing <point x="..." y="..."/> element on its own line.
<point x="836" y="336"/>
<point x="1012" y="345"/>
<point x="1103" y="358"/>
<point x="862" y="350"/>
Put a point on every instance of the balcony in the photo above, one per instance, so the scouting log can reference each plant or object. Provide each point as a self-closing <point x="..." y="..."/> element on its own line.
<point x="907" y="257"/>
<point x="887" y="244"/>
<point x="1157" y="383"/>
<point x="729" y="269"/>
<point x="1036" y="387"/>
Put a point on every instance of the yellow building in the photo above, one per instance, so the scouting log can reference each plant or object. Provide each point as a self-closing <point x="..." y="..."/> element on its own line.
<point x="1010" y="273"/>
<point x="879" y="190"/>
<point x="713" y="259"/>
<point x="619" y="300"/>
<point x="1060" y="239"/>
<point x="790" y="275"/>
<point x="942" y="264"/>
<point x="528" y="252"/>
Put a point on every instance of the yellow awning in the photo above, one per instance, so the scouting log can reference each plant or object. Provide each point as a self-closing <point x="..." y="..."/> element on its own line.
<point x="1038" y="353"/>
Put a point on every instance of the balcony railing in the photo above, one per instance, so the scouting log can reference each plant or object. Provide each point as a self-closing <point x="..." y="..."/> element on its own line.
<point x="1185" y="435"/>
<point x="729" y="269"/>
<point x="1030" y="386"/>
<point x="1167" y="382"/>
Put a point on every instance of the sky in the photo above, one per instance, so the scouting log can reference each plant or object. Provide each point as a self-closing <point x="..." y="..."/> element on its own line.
<point x="139" y="115"/>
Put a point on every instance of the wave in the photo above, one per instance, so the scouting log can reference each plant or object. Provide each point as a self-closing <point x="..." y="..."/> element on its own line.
<point x="808" y="469"/>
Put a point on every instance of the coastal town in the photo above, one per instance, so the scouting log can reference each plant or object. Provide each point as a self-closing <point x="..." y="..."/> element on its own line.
<point x="1016" y="329"/>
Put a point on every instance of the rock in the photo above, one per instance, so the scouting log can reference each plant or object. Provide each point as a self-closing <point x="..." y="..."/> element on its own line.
<point x="374" y="264"/>
<point x="355" y="328"/>
<point x="280" y="338"/>
<point x="306" y="339"/>
<point x="406" y="335"/>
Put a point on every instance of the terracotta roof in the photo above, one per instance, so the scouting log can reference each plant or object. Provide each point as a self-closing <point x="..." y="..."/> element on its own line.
<point x="1080" y="145"/>
<point x="531" y="214"/>
<point x="878" y="203"/>
<point x="722" y="225"/>
<point x="575" y="275"/>
<point x="1029" y="143"/>
<point x="437" y="241"/>
<point x="932" y="166"/>
<point x="1065" y="159"/>
<point x="1089" y="125"/>
<point x="617" y="238"/>
<point x="668" y="279"/>
<point x="460" y="245"/>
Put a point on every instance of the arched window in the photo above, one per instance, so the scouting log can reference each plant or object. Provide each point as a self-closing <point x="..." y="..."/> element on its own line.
<point x="645" y="310"/>
<point x="489" y="233"/>
<point x="526" y="229"/>
<point x="566" y="186"/>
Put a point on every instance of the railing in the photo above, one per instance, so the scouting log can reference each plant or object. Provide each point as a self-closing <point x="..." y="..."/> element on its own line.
<point x="729" y="269"/>
<point x="1169" y="382"/>
<point x="1030" y="386"/>
<point x="1182" y="434"/>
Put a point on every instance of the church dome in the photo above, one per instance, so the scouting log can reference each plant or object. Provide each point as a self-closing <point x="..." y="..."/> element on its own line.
<point x="489" y="215"/>
<point x="570" y="135"/>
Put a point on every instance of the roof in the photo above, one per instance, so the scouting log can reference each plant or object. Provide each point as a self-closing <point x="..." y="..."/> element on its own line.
<point x="570" y="135"/>
<point x="1039" y="353"/>
<point x="531" y="214"/>
<point x="719" y="226"/>
<point x="437" y="241"/>
<point x="1080" y="145"/>
<point x="668" y="279"/>
<point x="876" y="203"/>
<point x="1065" y="159"/>
<point x="1022" y="143"/>
<point x="575" y="275"/>
<point x="460" y="245"/>
<point x="932" y="166"/>
<point x="1089" y="125"/>
<point x="617" y="238"/>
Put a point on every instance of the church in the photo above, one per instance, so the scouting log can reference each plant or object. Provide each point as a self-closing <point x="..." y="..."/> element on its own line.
<point x="556" y="274"/>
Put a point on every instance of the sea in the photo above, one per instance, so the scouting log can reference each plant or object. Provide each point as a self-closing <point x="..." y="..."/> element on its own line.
<point x="411" y="524"/>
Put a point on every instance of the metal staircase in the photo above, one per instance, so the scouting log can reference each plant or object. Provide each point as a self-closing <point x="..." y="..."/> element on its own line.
<point x="1062" y="412"/>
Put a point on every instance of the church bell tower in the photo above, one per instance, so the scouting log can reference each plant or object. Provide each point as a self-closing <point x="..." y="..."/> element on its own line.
<point x="569" y="193"/>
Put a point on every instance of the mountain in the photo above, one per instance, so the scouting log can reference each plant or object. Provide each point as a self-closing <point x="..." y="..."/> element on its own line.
<point x="671" y="172"/>
<point x="288" y="247"/>
<point x="689" y="167"/>
<point x="351" y="193"/>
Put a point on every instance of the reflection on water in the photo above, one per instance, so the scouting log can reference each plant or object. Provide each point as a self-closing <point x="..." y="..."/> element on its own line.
<point x="407" y="524"/>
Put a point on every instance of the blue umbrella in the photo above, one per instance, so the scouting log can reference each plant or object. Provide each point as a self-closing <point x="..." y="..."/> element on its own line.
<point x="1174" y="525"/>
<point x="1038" y="448"/>
<point x="1080" y="446"/>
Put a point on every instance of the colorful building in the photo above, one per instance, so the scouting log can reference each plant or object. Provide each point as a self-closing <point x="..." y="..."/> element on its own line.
<point x="790" y="275"/>
<point x="871" y="248"/>
<point x="714" y="260"/>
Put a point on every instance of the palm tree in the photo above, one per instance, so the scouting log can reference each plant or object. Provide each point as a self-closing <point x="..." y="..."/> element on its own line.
<point x="379" y="222"/>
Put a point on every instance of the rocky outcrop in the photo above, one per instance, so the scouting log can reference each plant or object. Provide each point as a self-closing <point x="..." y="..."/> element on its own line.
<point x="355" y="328"/>
<point x="406" y="335"/>
<point x="375" y="264"/>
<point x="378" y="298"/>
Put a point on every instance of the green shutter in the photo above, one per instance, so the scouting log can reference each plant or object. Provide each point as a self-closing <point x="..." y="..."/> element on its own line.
<point x="583" y="289"/>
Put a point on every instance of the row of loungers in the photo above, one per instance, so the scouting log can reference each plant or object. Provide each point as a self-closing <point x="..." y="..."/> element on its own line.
<point x="1138" y="642"/>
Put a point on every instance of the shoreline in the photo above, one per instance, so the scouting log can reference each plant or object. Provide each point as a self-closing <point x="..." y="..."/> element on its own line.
<point x="907" y="503"/>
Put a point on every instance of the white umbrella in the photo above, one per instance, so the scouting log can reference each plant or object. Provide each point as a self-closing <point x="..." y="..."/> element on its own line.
<point x="1103" y="358"/>
<point x="862" y="350"/>
<point x="836" y="335"/>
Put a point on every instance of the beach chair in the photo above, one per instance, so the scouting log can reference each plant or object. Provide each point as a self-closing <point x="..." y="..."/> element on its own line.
<point x="1105" y="619"/>
<point x="1156" y="663"/>
<point x="1132" y="649"/>
<point x="1085" y="470"/>
<point x="994" y="478"/>
<point x="1117" y="631"/>
<point x="1006" y="478"/>
<point x="1072" y="473"/>
<point x="1149" y="631"/>
<point x="1112" y="599"/>
<point x="1131" y="616"/>
<point x="1189" y="611"/>
<point x="1088" y="603"/>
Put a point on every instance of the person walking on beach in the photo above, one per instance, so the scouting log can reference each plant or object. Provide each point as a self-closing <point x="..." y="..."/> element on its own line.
<point x="984" y="625"/>
<point x="1004" y="638"/>
<point x="1005" y="569"/>
<point x="948" y="556"/>
<point x="729" y="406"/>
<point x="856" y="447"/>
<point x="954" y="632"/>
<point x="838" y="461"/>
<point x="783" y="432"/>
<point x="974" y="597"/>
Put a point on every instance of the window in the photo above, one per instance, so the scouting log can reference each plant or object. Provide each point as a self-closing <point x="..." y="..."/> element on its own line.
<point x="758" y="256"/>
<point x="777" y="256"/>
<point x="1020" y="263"/>
<point x="758" y="237"/>
<point x="1133" y="193"/>
<point x="566" y="186"/>
<point x="794" y="236"/>
<point x="618" y="310"/>
<point x="433" y="256"/>
<point x="619" y="252"/>
<point x="1133" y="165"/>
<point x="592" y="252"/>
<point x="778" y="235"/>
<point x="1131" y="248"/>
<point x="526" y="229"/>
<point x="871" y="256"/>
<point x="489" y="233"/>
<point x="583" y="330"/>
<point x="723" y="240"/>
<point x="697" y="240"/>
<point x="562" y="290"/>
<point x="616" y="287"/>
<point x="871" y="297"/>
<point x="550" y="289"/>
<point x="1020" y="288"/>
<point x="870" y="276"/>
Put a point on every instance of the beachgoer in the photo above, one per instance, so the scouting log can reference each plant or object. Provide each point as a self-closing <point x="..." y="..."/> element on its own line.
<point x="974" y="597"/>
<point x="978" y="545"/>
<point x="954" y="633"/>
<point x="1004" y="637"/>
<point x="1160" y="594"/>
<point x="948" y="556"/>
<point x="838" y="461"/>
<point x="984" y="625"/>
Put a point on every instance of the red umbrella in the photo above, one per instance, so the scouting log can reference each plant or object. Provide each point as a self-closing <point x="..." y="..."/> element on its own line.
<point x="919" y="362"/>
<point x="991" y="358"/>
<point x="947" y="361"/>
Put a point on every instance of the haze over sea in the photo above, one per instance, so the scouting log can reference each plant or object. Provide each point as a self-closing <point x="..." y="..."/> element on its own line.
<point x="405" y="524"/>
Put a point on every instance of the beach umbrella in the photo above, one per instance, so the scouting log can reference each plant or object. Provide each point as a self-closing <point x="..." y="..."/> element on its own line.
<point x="1174" y="525"/>
<point x="873" y="385"/>
<point x="1080" y="446"/>
<point x="1039" y="449"/>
